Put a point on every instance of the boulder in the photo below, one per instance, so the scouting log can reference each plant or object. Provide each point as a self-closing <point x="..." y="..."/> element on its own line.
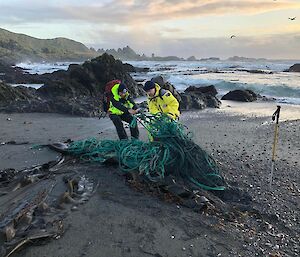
<point x="240" y="95"/>
<point x="192" y="102"/>
<point x="213" y="101"/>
<point x="208" y="90"/>
<point x="105" y="68"/>
<point x="200" y="98"/>
<point x="294" y="68"/>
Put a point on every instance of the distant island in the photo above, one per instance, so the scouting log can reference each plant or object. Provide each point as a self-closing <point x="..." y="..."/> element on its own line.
<point x="243" y="59"/>
<point x="128" y="54"/>
<point x="16" y="48"/>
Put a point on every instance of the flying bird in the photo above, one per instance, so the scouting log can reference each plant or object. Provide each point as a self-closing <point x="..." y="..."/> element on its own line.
<point x="232" y="36"/>
<point x="292" y="18"/>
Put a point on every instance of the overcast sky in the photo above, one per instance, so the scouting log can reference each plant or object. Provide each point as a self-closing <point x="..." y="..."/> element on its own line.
<point x="165" y="27"/>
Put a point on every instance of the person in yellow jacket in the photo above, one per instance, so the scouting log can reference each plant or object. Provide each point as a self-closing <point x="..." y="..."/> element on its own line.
<point x="121" y="108"/>
<point x="161" y="100"/>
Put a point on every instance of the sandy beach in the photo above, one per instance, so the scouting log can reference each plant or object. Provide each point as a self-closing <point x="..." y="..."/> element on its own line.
<point x="119" y="220"/>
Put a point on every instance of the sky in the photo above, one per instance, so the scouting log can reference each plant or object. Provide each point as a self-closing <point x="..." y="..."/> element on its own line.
<point x="202" y="28"/>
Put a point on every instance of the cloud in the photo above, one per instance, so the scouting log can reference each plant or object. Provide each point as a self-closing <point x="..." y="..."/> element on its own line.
<point x="271" y="46"/>
<point x="31" y="13"/>
<point x="158" y="26"/>
<point x="159" y="10"/>
<point x="128" y="12"/>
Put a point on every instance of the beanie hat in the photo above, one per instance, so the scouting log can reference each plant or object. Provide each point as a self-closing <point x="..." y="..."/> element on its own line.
<point x="122" y="88"/>
<point x="149" y="85"/>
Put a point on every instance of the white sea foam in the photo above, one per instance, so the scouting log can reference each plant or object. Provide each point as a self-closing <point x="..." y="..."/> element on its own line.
<point x="36" y="86"/>
<point x="263" y="77"/>
<point x="224" y="75"/>
<point x="41" y="68"/>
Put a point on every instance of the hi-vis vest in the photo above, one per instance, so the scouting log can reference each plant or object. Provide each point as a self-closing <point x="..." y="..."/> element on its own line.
<point x="163" y="101"/>
<point x="117" y="97"/>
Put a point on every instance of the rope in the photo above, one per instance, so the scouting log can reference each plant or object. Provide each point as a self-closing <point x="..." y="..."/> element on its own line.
<point x="172" y="151"/>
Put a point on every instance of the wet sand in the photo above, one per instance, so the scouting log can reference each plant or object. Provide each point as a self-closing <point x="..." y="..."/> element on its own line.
<point x="120" y="221"/>
<point x="261" y="109"/>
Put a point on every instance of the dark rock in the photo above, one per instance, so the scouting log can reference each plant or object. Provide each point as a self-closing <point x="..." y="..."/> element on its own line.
<point x="76" y="91"/>
<point x="129" y="68"/>
<point x="256" y="71"/>
<point x="137" y="69"/>
<point x="199" y="98"/>
<point x="190" y="102"/>
<point x="17" y="75"/>
<point x="213" y="102"/>
<point x="259" y="72"/>
<point x="294" y="68"/>
<point x="240" y="95"/>
<point x="209" y="90"/>
<point x="9" y="94"/>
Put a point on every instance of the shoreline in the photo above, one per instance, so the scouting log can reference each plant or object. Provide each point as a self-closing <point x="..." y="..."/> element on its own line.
<point x="261" y="109"/>
<point x="17" y="127"/>
<point x="121" y="221"/>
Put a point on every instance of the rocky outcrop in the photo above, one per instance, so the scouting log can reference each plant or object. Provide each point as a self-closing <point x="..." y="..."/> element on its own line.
<point x="294" y="68"/>
<point x="199" y="98"/>
<point x="77" y="91"/>
<point x="128" y="54"/>
<point x="241" y="96"/>
<point x="208" y="90"/>
<point x="256" y="71"/>
<point x="11" y="75"/>
<point x="9" y="94"/>
<point x="128" y="67"/>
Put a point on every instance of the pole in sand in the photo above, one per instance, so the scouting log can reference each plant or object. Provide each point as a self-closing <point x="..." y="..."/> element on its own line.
<point x="274" y="116"/>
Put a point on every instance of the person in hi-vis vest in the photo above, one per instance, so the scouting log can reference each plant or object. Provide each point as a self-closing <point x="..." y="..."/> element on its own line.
<point x="121" y="108"/>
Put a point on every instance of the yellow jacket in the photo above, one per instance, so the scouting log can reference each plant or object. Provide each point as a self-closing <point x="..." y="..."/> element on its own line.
<point x="163" y="102"/>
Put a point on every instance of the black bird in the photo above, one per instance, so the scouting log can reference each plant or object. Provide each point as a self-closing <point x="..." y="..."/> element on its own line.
<point x="232" y="36"/>
<point x="292" y="19"/>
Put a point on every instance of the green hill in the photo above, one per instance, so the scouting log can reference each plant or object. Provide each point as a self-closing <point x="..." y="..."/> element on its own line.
<point x="16" y="47"/>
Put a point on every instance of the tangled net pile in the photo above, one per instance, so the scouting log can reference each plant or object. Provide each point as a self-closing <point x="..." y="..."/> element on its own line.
<point x="170" y="151"/>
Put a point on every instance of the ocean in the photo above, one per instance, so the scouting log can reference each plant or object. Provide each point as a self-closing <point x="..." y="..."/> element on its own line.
<point x="270" y="80"/>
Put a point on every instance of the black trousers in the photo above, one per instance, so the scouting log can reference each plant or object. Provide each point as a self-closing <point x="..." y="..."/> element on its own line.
<point x="117" y="120"/>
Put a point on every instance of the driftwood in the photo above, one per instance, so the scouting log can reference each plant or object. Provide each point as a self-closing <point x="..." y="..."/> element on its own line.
<point x="34" y="201"/>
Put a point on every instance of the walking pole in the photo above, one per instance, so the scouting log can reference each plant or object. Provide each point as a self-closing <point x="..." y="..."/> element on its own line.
<point x="274" y="116"/>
